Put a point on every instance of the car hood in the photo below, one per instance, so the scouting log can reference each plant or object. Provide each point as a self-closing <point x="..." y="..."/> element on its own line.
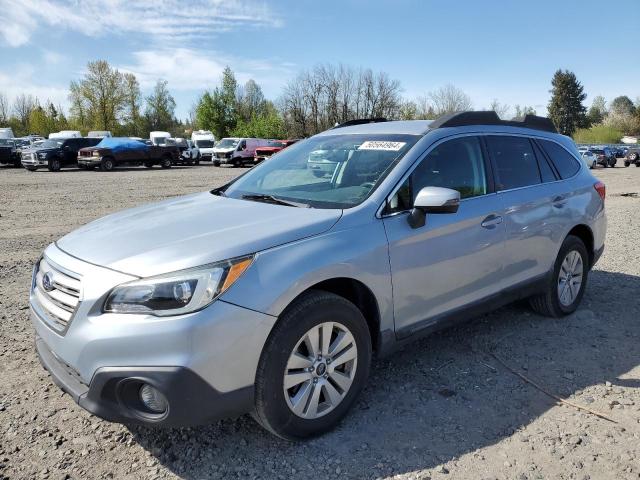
<point x="190" y="231"/>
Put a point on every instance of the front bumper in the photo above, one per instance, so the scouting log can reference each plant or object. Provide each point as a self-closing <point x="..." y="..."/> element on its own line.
<point x="211" y="354"/>
<point x="112" y="393"/>
<point x="89" y="161"/>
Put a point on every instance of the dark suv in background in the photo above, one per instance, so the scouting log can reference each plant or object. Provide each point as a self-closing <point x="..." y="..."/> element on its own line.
<point x="56" y="153"/>
<point x="606" y="156"/>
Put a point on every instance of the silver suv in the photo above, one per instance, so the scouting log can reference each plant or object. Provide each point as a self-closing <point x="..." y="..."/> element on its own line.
<point x="271" y="294"/>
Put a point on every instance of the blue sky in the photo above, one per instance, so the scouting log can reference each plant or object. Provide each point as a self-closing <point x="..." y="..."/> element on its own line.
<point x="507" y="50"/>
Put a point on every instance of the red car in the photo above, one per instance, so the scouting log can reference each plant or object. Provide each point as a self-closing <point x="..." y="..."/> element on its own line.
<point x="262" y="153"/>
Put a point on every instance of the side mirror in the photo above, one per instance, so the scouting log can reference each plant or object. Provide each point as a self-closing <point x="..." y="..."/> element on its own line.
<point x="433" y="200"/>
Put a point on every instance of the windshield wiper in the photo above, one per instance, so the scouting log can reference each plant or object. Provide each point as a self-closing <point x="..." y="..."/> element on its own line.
<point x="272" y="199"/>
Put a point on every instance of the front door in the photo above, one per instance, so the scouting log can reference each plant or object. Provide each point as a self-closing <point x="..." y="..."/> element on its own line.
<point x="455" y="259"/>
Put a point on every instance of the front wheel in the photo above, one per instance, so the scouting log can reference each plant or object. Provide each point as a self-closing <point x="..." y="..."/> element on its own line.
<point x="166" y="162"/>
<point x="54" y="165"/>
<point x="313" y="366"/>
<point x="626" y="164"/>
<point x="107" y="164"/>
<point x="566" y="287"/>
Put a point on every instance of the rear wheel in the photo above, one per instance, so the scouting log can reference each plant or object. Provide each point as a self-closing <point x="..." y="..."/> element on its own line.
<point x="627" y="163"/>
<point x="313" y="366"/>
<point x="166" y="162"/>
<point x="633" y="157"/>
<point x="148" y="164"/>
<point x="566" y="287"/>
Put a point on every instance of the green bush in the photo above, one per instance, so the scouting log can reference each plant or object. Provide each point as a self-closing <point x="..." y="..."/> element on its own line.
<point x="598" y="134"/>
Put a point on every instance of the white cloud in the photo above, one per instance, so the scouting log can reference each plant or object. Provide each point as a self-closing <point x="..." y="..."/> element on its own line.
<point x="191" y="69"/>
<point x="20" y="80"/>
<point x="163" y="20"/>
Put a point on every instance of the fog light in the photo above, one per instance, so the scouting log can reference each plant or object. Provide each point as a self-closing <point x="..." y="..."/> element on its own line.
<point x="153" y="399"/>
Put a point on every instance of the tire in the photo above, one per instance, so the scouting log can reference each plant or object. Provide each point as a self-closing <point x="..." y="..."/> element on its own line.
<point x="626" y="164"/>
<point x="594" y="164"/>
<point x="551" y="303"/>
<point x="54" y="165"/>
<point x="633" y="157"/>
<point x="216" y="163"/>
<point x="274" y="405"/>
<point x="165" y="162"/>
<point x="31" y="169"/>
<point x="197" y="162"/>
<point x="637" y="164"/>
<point x="107" y="164"/>
<point x="148" y="164"/>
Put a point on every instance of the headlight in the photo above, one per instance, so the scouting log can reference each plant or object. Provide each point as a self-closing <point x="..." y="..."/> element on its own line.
<point x="96" y="154"/>
<point x="42" y="156"/>
<point x="176" y="293"/>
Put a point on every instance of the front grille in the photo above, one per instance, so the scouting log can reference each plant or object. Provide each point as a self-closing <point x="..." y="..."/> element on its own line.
<point x="59" y="301"/>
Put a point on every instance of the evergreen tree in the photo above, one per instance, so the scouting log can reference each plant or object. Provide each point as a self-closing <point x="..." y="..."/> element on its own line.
<point x="623" y="105"/>
<point x="565" y="108"/>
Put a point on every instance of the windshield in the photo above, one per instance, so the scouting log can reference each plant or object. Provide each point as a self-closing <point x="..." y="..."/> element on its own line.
<point x="228" y="143"/>
<point x="337" y="171"/>
<point x="204" y="143"/>
<point x="51" y="143"/>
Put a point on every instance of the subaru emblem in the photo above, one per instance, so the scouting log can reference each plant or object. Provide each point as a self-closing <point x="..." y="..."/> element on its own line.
<point x="47" y="282"/>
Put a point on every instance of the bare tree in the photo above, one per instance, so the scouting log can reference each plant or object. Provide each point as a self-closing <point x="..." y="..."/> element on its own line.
<point x="523" y="110"/>
<point x="502" y="109"/>
<point x="4" y="108"/>
<point x="449" y="99"/>
<point x="22" y="107"/>
<point x="318" y="99"/>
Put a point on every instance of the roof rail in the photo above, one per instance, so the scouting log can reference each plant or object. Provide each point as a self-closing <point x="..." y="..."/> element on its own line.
<point x="461" y="119"/>
<point x="361" y="121"/>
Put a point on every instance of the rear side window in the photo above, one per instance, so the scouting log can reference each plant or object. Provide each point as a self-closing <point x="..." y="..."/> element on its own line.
<point x="565" y="164"/>
<point x="515" y="161"/>
<point x="545" y="169"/>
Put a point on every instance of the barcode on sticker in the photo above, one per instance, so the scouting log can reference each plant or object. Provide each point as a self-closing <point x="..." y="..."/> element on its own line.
<point x="380" y="145"/>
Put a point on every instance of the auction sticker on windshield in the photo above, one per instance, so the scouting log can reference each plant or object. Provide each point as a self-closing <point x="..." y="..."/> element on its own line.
<point x="381" y="145"/>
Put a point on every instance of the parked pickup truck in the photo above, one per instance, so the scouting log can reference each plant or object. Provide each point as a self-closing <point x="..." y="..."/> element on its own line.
<point x="115" y="151"/>
<point x="274" y="146"/>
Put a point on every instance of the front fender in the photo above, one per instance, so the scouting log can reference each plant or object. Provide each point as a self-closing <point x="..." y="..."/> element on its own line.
<point x="278" y="275"/>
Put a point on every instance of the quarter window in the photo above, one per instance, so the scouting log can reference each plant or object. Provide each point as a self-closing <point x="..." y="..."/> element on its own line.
<point x="456" y="164"/>
<point x="515" y="161"/>
<point x="566" y="165"/>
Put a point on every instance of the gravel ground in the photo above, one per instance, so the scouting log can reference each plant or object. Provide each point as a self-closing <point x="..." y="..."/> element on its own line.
<point x="442" y="408"/>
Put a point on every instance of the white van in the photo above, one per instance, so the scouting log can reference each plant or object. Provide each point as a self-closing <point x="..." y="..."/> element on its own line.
<point x="6" y="132"/>
<point x="237" y="151"/>
<point x="159" y="138"/>
<point x="99" y="134"/>
<point x="205" y="141"/>
<point x="66" y="134"/>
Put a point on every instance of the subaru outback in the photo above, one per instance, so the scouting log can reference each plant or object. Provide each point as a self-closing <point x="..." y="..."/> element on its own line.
<point x="271" y="294"/>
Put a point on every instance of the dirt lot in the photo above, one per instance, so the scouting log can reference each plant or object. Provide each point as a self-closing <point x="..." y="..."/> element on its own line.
<point x="442" y="408"/>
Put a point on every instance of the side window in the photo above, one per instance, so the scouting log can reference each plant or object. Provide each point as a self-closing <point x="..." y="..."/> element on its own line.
<point x="564" y="162"/>
<point x="545" y="169"/>
<point x="515" y="162"/>
<point x="243" y="145"/>
<point x="457" y="164"/>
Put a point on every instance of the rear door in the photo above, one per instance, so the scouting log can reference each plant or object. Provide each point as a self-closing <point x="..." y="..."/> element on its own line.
<point x="533" y="200"/>
<point x="455" y="259"/>
<point x="70" y="151"/>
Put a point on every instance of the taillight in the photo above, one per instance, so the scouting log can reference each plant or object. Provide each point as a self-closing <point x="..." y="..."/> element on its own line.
<point x="601" y="189"/>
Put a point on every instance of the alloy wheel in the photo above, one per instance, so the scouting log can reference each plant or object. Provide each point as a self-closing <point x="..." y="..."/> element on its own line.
<point x="320" y="370"/>
<point x="570" y="278"/>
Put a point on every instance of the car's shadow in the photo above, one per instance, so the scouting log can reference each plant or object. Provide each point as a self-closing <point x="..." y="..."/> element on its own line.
<point x="439" y="398"/>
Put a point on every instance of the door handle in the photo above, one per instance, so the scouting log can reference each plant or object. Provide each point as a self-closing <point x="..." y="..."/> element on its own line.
<point x="491" y="221"/>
